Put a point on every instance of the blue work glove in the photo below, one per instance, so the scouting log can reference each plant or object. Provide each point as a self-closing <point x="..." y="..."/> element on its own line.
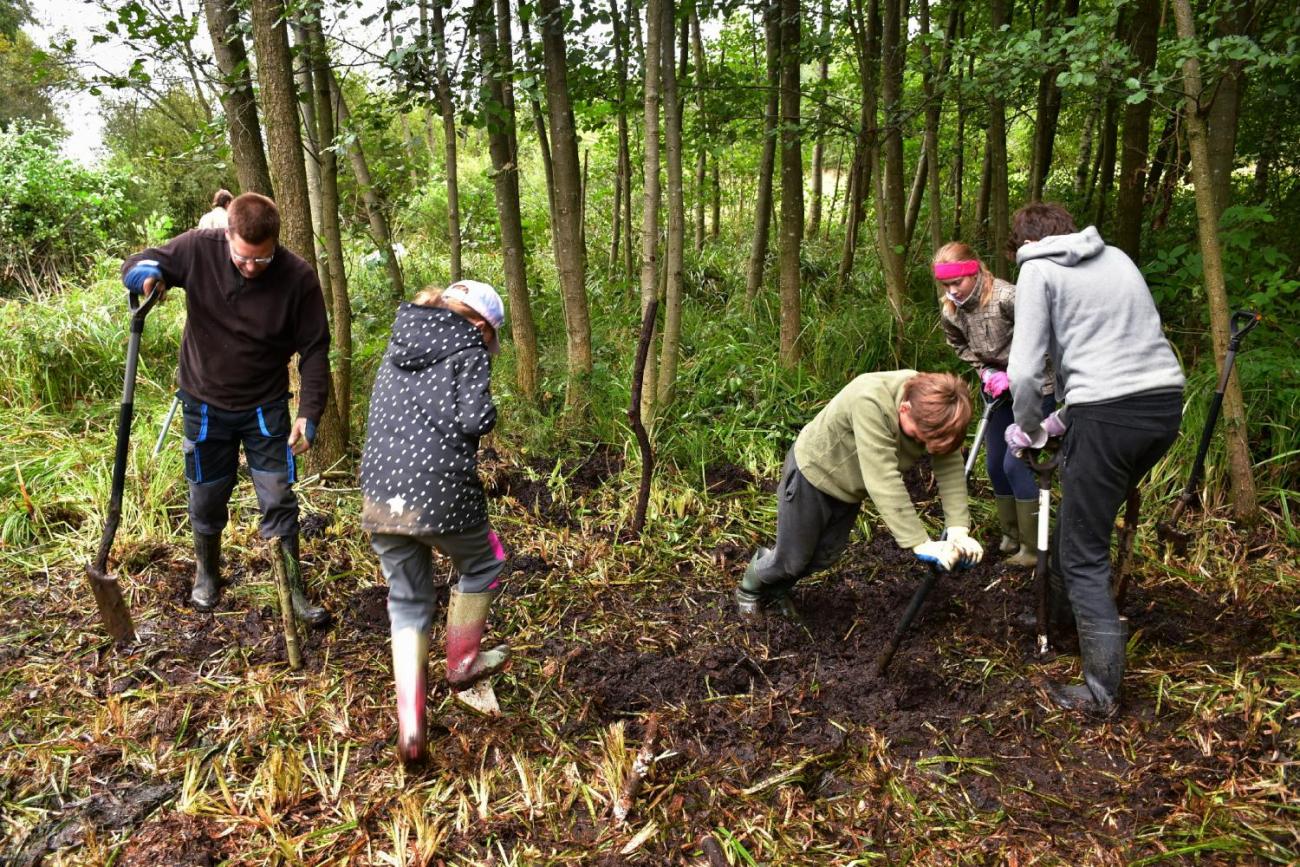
<point x="140" y="272"/>
<point x="310" y="432"/>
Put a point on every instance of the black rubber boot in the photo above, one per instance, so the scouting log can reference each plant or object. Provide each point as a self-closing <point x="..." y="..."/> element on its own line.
<point x="1102" y="648"/>
<point x="312" y="615"/>
<point x="207" y="571"/>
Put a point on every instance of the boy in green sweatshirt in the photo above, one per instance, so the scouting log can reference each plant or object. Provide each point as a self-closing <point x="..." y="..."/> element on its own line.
<point x="858" y="447"/>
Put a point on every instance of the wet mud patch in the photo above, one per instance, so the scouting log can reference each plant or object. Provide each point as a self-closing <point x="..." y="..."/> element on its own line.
<point x="725" y="478"/>
<point x="174" y="839"/>
<point x="117" y="808"/>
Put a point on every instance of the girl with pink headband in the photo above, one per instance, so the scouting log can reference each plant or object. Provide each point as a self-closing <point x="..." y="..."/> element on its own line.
<point x="978" y="315"/>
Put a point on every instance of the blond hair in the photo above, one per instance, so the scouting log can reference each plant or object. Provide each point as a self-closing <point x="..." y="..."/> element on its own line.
<point x="941" y="409"/>
<point x="960" y="251"/>
<point x="431" y="296"/>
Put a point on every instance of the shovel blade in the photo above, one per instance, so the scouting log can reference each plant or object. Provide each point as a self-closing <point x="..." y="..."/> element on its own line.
<point x="113" y="610"/>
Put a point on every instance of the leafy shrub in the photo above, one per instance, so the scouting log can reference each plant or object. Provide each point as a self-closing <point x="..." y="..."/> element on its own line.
<point x="54" y="215"/>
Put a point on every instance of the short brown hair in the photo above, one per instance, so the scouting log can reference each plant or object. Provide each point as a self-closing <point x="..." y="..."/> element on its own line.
<point x="941" y="409"/>
<point x="221" y="198"/>
<point x="1038" y="220"/>
<point x="255" y="218"/>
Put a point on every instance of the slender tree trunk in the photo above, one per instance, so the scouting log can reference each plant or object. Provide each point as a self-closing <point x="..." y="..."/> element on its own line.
<point x="376" y="208"/>
<point x="676" y="240"/>
<point x="1085" y="155"/>
<point x="892" y="207"/>
<point x="570" y="255"/>
<point x="791" y="183"/>
<point x="823" y="75"/>
<point x="289" y="180"/>
<point x="624" y="161"/>
<point x="505" y="182"/>
<point x="650" y="198"/>
<point x="701" y="148"/>
<point x="1160" y="162"/>
<point x="311" y="148"/>
<point x="866" y="41"/>
<point x="959" y="155"/>
<point x="341" y="312"/>
<point x="539" y="120"/>
<point x="1143" y="29"/>
<point x="763" y="204"/>
<point x="1106" y="161"/>
<point x="237" y="97"/>
<point x="915" y="194"/>
<point x="715" y="226"/>
<point x="1048" y="107"/>
<point x="447" y="108"/>
<point x="999" y="194"/>
<point x="1244" y="499"/>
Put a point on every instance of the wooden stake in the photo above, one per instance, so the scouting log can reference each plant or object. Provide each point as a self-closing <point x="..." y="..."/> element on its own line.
<point x="291" y="646"/>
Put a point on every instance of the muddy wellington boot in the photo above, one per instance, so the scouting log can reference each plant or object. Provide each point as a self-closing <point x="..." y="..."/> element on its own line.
<point x="410" y="676"/>
<point x="1027" y="520"/>
<point x="312" y="615"/>
<point x="207" y="571"/>
<point x="467" y="664"/>
<point x="1010" y="521"/>
<point x="750" y="594"/>
<point x="1102" y="649"/>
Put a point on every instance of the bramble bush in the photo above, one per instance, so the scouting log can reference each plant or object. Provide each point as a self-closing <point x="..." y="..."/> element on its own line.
<point x="55" y="216"/>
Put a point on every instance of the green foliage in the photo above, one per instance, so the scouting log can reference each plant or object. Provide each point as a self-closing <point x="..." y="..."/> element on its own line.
<point x="174" y="157"/>
<point x="54" y="214"/>
<point x="30" y="79"/>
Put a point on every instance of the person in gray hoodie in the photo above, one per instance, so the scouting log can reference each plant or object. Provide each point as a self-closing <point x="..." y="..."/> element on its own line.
<point x="430" y="404"/>
<point x="1086" y="306"/>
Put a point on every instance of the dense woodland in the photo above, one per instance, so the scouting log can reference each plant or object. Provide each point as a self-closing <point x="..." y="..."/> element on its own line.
<point x="767" y="182"/>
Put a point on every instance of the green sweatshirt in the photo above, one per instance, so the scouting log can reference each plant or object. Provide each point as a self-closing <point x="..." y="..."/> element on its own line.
<point x="855" y="449"/>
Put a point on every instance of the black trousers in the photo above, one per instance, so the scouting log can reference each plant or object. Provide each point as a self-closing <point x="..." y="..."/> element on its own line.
<point x="1108" y="448"/>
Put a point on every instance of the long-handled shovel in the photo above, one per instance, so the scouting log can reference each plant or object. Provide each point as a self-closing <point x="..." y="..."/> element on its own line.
<point x="905" y="623"/>
<point x="1044" y="468"/>
<point x="979" y="433"/>
<point x="113" y="609"/>
<point x="1243" y="322"/>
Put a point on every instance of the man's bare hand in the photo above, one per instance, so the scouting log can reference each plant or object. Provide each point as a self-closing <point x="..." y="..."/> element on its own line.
<point x="152" y="284"/>
<point x="299" y="439"/>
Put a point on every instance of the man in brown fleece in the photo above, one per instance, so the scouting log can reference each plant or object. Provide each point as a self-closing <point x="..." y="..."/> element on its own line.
<point x="251" y="304"/>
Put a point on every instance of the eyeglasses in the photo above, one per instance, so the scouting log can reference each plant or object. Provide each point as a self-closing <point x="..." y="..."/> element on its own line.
<point x="255" y="260"/>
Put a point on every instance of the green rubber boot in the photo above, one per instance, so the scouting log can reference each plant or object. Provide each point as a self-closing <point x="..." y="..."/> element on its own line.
<point x="1027" y="521"/>
<point x="1010" y="522"/>
<point x="312" y="615"/>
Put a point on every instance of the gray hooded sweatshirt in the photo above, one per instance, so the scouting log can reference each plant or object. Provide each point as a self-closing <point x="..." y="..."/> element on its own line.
<point x="1086" y="306"/>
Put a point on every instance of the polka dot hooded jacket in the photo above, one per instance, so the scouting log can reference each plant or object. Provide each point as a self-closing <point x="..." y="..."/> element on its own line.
<point x="430" y="404"/>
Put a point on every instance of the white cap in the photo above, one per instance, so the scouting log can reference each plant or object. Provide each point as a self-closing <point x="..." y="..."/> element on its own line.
<point x="483" y="300"/>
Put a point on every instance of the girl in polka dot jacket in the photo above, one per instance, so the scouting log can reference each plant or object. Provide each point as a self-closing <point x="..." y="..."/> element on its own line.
<point x="430" y="404"/>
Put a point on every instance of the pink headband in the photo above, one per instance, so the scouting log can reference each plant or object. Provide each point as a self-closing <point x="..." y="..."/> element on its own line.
<point x="953" y="270"/>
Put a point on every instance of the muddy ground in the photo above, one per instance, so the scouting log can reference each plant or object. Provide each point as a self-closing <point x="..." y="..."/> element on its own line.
<point x="776" y="726"/>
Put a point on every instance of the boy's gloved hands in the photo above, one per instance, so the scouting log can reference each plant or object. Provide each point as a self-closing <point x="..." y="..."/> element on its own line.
<point x="940" y="552"/>
<point x="969" y="550"/>
<point x="996" y="382"/>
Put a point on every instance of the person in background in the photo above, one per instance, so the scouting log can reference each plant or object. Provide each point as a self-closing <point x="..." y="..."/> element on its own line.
<point x="251" y="305"/>
<point x="430" y="404"/>
<point x="858" y="448"/>
<point x="978" y="314"/>
<point x="1086" y="306"/>
<point x="218" y="217"/>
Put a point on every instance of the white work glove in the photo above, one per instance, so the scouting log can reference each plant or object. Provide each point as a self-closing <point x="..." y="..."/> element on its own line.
<point x="971" y="551"/>
<point x="940" y="552"/>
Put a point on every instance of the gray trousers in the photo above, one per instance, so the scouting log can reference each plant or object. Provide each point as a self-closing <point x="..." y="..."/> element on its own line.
<point x="812" y="531"/>
<point x="407" y="563"/>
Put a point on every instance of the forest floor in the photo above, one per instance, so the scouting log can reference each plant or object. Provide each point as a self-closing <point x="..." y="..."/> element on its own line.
<point x="775" y="746"/>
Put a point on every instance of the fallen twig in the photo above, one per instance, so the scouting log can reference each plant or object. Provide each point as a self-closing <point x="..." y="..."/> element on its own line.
<point x="645" y="759"/>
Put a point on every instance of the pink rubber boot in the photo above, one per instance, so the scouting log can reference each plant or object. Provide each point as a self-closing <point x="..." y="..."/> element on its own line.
<point x="466" y="618"/>
<point x="410" y="661"/>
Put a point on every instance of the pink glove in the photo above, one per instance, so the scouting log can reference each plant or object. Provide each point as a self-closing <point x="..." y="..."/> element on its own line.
<point x="995" y="382"/>
<point x="1053" y="425"/>
<point x="1018" y="440"/>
